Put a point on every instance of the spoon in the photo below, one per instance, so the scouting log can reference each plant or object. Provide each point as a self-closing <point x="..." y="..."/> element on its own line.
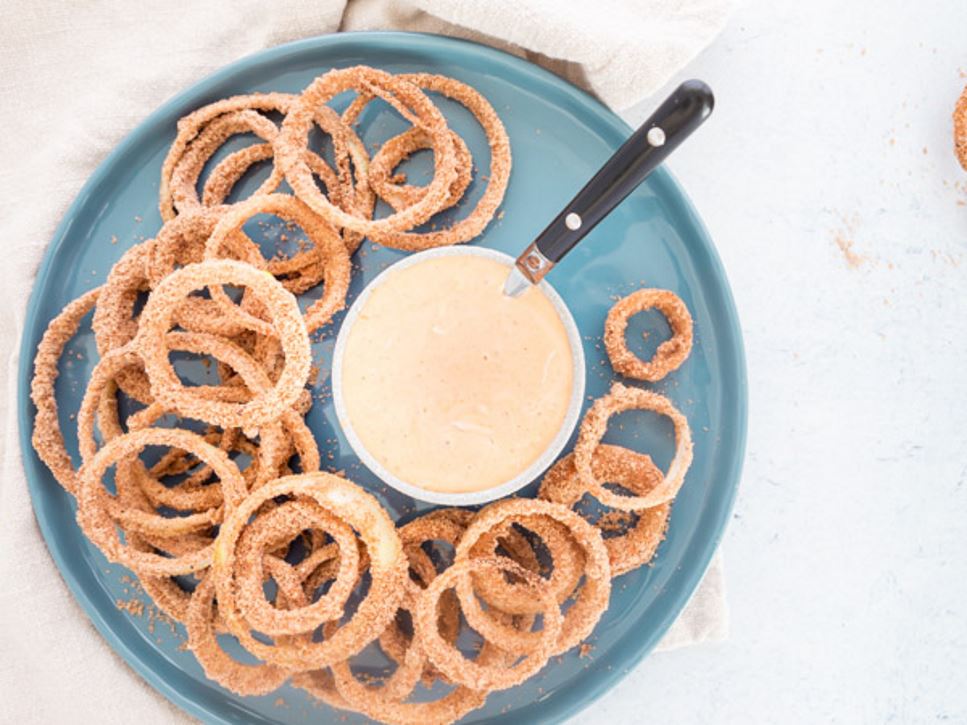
<point x="681" y="113"/>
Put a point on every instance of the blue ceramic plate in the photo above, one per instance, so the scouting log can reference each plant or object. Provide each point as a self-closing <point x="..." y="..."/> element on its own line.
<point x="559" y="136"/>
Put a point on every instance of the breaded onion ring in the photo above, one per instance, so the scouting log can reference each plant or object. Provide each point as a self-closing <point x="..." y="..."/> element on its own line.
<point x="670" y="354"/>
<point x="191" y="125"/>
<point x="468" y="673"/>
<point x="500" y="164"/>
<point x="329" y="250"/>
<point x="156" y="320"/>
<point x="619" y="399"/>
<point x="410" y="102"/>
<point x="47" y="437"/>
<point x="245" y="679"/>
<point x="631" y="470"/>
<point x="387" y="568"/>
<point x="590" y="601"/>
<point x="567" y="558"/>
<point x="93" y="501"/>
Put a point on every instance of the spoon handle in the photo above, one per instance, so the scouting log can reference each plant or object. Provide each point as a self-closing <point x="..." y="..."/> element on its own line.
<point x="681" y="113"/>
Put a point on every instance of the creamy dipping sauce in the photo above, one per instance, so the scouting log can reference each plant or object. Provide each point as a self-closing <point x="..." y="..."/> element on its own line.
<point x="451" y="385"/>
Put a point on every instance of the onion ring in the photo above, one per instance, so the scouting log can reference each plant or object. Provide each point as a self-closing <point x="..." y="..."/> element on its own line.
<point x="291" y="146"/>
<point x="168" y="389"/>
<point x="590" y="601"/>
<point x="47" y="437"/>
<point x="329" y="248"/>
<point x="92" y="499"/>
<point x="619" y="399"/>
<point x="191" y="125"/>
<point x="466" y="672"/>
<point x="184" y="178"/>
<point x="387" y="567"/>
<point x="500" y="165"/>
<point x="670" y="353"/>
<point x="399" y="148"/>
<point x="634" y="471"/>
<point x="284" y="523"/>
<point x="258" y="679"/>
<point x="568" y="562"/>
<point x="114" y="322"/>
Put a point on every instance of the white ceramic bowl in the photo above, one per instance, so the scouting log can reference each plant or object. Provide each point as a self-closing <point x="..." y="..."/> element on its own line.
<point x="522" y="478"/>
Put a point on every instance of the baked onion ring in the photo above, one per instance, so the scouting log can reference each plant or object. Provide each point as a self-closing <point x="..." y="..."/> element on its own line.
<point x="410" y="102"/>
<point x="500" y="164"/>
<point x="156" y="320"/>
<point x="590" y="601"/>
<point x="670" y="354"/>
<point x="451" y="662"/>
<point x="93" y="500"/>
<point x="633" y="471"/>
<point x="619" y="399"/>
<point x="47" y="437"/>
<point x="387" y="567"/>
<point x="329" y="250"/>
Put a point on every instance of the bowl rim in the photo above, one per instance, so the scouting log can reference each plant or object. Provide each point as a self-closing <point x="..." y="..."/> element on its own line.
<point x="536" y="467"/>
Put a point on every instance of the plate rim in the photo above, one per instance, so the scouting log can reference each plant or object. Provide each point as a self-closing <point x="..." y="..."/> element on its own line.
<point x="595" y="684"/>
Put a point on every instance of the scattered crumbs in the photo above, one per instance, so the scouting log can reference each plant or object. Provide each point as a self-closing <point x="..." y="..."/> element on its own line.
<point x="156" y="616"/>
<point x="134" y="607"/>
<point x="280" y="702"/>
<point x="924" y="150"/>
<point x="183" y="646"/>
<point x="843" y="238"/>
<point x="114" y="239"/>
<point x="138" y="219"/>
<point x="585" y="650"/>
<point x="500" y="215"/>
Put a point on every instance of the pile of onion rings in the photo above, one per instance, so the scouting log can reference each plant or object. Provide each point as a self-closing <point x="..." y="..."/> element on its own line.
<point x="232" y="528"/>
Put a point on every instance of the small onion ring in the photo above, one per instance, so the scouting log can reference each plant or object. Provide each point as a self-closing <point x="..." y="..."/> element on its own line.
<point x="568" y="561"/>
<point x="399" y="148"/>
<point x="191" y="125"/>
<point x="670" y="354"/>
<point x="258" y="679"/>
<point x="329" y="248"/>
<point x="500" y="164"/>
<point x="289" y="519"/>
<point x="114" y="323"/>
<point x="184" y="179"/>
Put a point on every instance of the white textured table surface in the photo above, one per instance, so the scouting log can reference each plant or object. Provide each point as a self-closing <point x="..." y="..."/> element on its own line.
<point x="827" y="179"/>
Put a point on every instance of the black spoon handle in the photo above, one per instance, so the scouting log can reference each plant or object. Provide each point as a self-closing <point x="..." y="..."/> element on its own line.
<point x="676" y="118"/>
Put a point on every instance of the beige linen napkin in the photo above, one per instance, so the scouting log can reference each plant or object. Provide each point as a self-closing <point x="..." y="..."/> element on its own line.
<point x="74" y="79"/>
